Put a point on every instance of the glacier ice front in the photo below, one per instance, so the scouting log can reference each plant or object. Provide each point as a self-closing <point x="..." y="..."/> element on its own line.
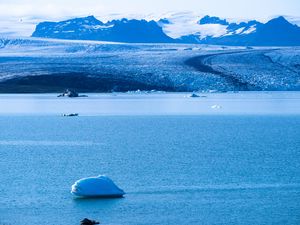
<point x="100" y="186"/>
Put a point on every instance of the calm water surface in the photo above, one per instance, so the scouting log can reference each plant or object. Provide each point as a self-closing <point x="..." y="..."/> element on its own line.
<point x="229" y="167"/>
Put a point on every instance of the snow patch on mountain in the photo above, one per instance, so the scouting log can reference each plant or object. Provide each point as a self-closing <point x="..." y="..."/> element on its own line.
<point x="293" y="19"/>
<point x="250" y="30"/>
<point x="212" y="30"/>
<point x="101" y="27"/>
<point x="181" y="24"/>
<point x="191" y="26"/>
<point x="177" y="25"/>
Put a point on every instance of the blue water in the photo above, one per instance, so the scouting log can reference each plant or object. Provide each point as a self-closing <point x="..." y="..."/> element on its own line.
<point x="242" y="103"/>
<point x="189" y="169"/>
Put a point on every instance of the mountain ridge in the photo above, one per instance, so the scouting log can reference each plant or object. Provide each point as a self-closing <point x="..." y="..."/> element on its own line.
<point x="207" y="30"/>
<point x="89" y="28"/>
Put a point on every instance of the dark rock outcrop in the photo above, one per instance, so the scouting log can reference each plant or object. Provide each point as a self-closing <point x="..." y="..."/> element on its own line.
<point x="69" y="93"/>
<point x="87" y="221"/>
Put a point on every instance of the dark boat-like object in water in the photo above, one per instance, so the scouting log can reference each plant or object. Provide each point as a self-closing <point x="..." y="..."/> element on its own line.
<point x="71" y="115"/>
<point x="71" y="94"/>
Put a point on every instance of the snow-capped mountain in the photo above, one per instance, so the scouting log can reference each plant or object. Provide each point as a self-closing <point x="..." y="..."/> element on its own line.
<point x="89" y="28"/>
<point x="207" y="28"/>
<point x="232" y="28"/>
<point x="276" y="32"/>
<point x="175" y="28"/>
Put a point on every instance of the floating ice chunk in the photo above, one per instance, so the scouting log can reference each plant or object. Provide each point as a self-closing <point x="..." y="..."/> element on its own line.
<point x="216" y="107"/>
<point x="100" y="186"/>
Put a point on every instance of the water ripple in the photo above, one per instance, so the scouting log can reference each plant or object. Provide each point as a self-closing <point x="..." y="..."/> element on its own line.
<point x="229" y="187"/>
<point x="47" y="143"/>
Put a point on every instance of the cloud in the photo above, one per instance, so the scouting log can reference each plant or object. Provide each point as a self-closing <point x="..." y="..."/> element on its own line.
<point x="19" y="17"/>
<point x="52" y="9"/>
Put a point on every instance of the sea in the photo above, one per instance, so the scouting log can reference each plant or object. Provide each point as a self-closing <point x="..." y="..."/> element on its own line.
<point x="220" y="158"/>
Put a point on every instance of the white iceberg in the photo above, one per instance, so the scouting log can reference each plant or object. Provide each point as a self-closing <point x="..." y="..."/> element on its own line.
<point x="100" y="186"/>
<point x="216" y="107"/>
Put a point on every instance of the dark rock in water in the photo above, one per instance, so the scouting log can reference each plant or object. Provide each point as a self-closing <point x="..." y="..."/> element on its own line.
<point x="194" y="95"/>
<point x="71" y="94"/>
<point x="71" y="114"/>
<point x="86" y="221"/>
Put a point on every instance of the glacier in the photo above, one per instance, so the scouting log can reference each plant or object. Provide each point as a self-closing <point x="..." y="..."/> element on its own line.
<point x="37" y="65"/>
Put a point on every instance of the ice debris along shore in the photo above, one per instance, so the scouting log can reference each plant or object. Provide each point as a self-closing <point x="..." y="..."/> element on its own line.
<point x="99" y="187"/>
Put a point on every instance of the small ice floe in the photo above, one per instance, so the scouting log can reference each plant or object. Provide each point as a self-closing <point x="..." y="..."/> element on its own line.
<point x="216" y="107"/>
<point x="97" y="187"/>
<point x="70" y="114"/>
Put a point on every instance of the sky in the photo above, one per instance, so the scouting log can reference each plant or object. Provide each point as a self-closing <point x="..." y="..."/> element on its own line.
<point x="20" y="16"/>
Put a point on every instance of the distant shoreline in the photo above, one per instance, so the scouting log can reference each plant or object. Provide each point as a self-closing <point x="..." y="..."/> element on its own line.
<point x="80" y="82"/>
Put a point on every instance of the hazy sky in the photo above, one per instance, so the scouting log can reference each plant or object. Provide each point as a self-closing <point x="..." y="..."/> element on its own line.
<point x="223" y="8"/>
<point x="21" y="15"/>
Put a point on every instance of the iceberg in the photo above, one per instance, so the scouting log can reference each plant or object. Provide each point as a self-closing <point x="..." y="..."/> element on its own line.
<point x="99" y="187"/>
<point x="216" y="107"/>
